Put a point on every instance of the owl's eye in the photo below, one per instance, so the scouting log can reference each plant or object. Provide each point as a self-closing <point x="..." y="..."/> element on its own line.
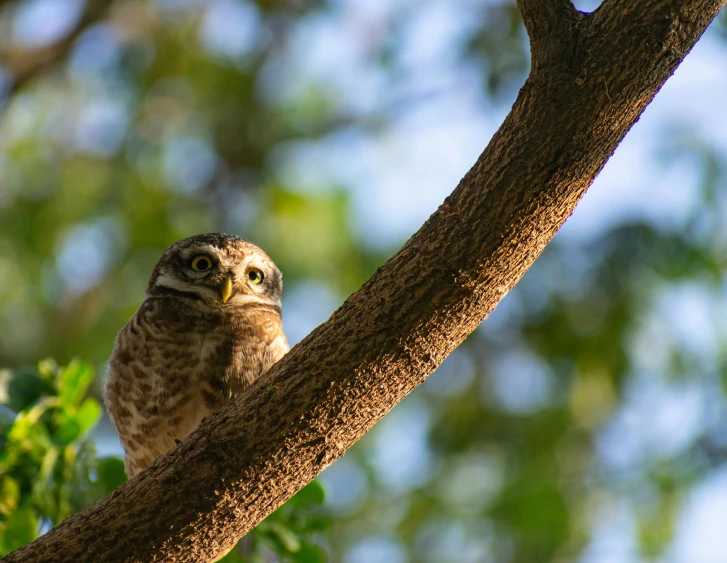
<point x="201" y="263"/>
<point x="255" y="276"/>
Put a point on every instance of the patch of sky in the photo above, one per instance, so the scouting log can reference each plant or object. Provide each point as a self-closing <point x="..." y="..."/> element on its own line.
<point x="657" y="419"/>
<point x="179" y="6"/>
<point x="376" y="549"/>
<point x="470" y="482"/>
<point x="189" y="163"/>
<point x="400" y="454"/>
<point x="434" y="36"/>
<point x="346" y="486"/>
<point x="96" y="50"/>
<point x="613" y="538"/>
<point x="699" y="533"/>
<point x="449" y="541"/>
<point x="101" y="127"/>
<point x="452" y="377"/>
<point x="334" y="51"/>
<point x="39" y="23"/>
<point x="693" y="312"/>
<point x="521" y="382"/>
<point x="325" y="165"/>
<point x="230" y="28"/>
<point x="587" y="5"/>
<point x="87" y="251"/>
<point x="306" y="305"/>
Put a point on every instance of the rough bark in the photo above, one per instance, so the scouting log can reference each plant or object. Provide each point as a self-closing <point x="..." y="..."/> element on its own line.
<point x="592" y="76"/>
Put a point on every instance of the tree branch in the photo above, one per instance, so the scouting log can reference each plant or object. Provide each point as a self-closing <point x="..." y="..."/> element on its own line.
<point x="244" y="462"/>
<point x="551" y="26"/>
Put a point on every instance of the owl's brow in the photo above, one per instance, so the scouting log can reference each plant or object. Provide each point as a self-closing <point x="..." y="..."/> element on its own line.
<point x="193" y="251"/>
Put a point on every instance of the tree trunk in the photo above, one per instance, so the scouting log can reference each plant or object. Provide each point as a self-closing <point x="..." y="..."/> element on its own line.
<point x="592" y="76"/>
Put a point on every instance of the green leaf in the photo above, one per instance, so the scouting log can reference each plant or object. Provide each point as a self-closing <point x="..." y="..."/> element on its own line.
<point x="48" y="369"/>
<point x="309" y="553"/>
<point x="25" y="430"/>
<point x="111" y="474"/>
<point x="46" y="467"/>
<point x="9" y="496"/>
<point x="88" y="415"/>
<point x="73" y="381"/>
<point x="21" y="388"/>
<point x="233" y="556"/>
<point x="43" y="490"/>
<point x="312" y="494"/>
<point x="67" y="430"/>
<point x="316" y="523"/>
<point x="21" y="527"/>
<point x="285" y="537"/>
<point x="536" y="511"/>
<point x="76" y="423"/>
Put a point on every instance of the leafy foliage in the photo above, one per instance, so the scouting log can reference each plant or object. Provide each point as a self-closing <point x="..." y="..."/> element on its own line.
<point x="49" y="468"/>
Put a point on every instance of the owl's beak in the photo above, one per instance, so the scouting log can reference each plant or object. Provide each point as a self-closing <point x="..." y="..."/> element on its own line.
<point x="226" y="290"/>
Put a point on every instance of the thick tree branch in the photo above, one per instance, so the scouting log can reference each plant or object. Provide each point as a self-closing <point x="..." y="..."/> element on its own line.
<point x="552" y="26"/>
<point x="389" y="336"/>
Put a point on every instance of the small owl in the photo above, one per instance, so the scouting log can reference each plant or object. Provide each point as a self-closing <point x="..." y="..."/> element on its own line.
<point x="209" y="326"/>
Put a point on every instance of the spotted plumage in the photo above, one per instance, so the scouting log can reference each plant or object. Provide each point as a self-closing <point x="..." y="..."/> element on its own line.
<point x="209" y="326"/>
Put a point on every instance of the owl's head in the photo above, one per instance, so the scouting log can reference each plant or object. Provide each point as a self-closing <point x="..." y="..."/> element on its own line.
<point x="221" y="270"/>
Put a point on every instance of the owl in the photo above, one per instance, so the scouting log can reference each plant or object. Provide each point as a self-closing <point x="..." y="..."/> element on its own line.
<point x="209" y="326"/>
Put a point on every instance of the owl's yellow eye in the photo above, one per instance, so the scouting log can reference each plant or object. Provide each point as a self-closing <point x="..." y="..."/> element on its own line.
<point x="255" y="276"/>
<point x="201" y="263"/>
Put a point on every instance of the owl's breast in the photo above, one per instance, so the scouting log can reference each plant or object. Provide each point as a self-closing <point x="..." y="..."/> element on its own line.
<point x="234" y="354"/>
<point x="166" y="374"/>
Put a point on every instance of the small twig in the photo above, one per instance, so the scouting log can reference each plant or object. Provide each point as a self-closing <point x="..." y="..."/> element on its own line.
<point x="608" y="95"/>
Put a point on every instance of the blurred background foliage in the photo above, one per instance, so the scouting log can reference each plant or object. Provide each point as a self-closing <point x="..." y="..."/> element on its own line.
<point x="585" y="420"/>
